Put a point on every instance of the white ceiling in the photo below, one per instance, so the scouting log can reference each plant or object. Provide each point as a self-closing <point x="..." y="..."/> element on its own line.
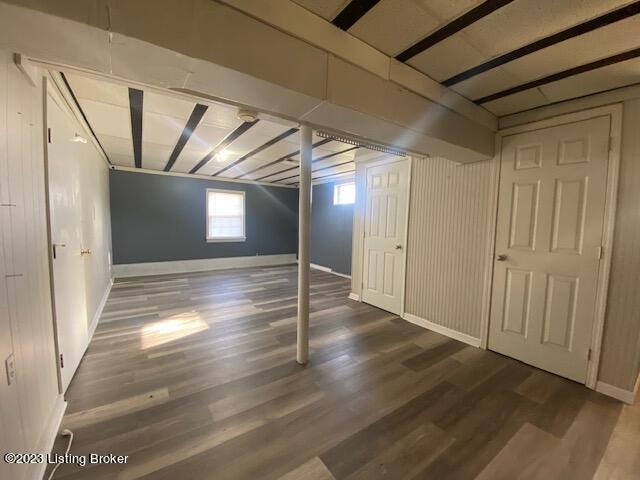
<point x="165" y="115"/>
<point x="392" y="26"/>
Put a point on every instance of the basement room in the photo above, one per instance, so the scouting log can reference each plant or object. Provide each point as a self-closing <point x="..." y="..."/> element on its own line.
<point x="319" y="240"/>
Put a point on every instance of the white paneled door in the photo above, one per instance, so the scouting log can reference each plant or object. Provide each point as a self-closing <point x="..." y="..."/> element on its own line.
<point x="66" y="237"/>
<point x="387" y="195"/>
<point x="549" y="233"/>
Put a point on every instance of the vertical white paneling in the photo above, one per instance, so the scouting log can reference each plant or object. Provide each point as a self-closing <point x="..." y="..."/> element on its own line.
<point x="620" y="358"/>
<point x="450" y="221"/>
<point x="26" y="330"/>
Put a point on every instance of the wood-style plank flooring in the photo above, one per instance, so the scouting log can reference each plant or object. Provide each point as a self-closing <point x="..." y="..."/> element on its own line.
<point x="194" y="377"/>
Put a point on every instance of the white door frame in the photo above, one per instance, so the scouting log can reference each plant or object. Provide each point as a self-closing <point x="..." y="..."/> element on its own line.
<point x="361" y="202"/>
<point x="615" y="114"/>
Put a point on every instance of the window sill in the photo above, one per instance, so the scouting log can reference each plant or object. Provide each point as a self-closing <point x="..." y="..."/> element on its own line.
<point x="225" y="240"/>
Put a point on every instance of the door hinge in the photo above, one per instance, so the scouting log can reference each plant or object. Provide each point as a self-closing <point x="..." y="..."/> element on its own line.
<point x="61" y="360"/>
<point x="589" y="354"/>
<point x="610" y="144"/>
<point x="49" y="135"/>
<point x="600" y="251"/>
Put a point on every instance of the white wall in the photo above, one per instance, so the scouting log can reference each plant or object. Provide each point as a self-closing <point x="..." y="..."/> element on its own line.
<point x="94" y="201"/>
<point x="92" y="170"/>
<point x="450" y="223"/>
<point x="32" y="406"/>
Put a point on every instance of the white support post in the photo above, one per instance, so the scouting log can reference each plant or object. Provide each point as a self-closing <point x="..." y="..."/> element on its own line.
<point x="304" y="212"/>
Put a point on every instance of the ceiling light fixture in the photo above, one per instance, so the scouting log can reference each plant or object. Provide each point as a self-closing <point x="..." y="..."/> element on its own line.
<point x="222" y="156"/>
<point x="78" y="139"/>
<point x="247" y="116"/>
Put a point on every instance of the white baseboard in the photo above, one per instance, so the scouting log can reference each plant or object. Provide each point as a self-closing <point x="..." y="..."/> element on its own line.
<point x="354" y="296"/>
<point x="626" y="396"/>
<point x="98" y="313"/>
<point x="48" y="438"/>
<point x="329" y="270"/>
<point x="463" y="337"/>
<point x="200" y="265"/>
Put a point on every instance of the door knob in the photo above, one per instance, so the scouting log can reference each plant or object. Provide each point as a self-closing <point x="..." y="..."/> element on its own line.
<point x="398" y="247"/>
<point x="501" y="258"/>
<point x="85" y="251"/>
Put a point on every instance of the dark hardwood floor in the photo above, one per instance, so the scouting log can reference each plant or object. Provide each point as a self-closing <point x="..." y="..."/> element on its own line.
<point x="194" y="377"/>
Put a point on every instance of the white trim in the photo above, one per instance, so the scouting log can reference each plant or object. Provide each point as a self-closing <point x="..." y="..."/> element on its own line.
<point x="328" y="270"/>
<point x="98" y="313"/>
<point x="45" y="444"/>
<point x="354" y="296"/>
<point x="359" y="212"/>
<point x="200" y="265"/>
<point x="494" y="188"/>
<point x="240" y="238"/>
<point x="197" y="175"/>
<point x="615" y="114"/>
<point x="626" y="396"/>
<point x="611" y="97"/>
<point x="403" y="293"/>
<point x="448" y="332"/>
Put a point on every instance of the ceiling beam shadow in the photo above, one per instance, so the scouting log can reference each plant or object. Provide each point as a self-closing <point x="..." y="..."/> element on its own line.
<point x="586" y="27"/>
<point x="603" y="62"/>
<point x="194" y="120"/>
<point x="353" y="12"/>
<point x="224" y="143"/>
<point x="257" y="150"/>
<point x="136" y="100"/>
<point x="315" y="160"/>
<point x="485" y="8"/>
<point x="282" y="159"/>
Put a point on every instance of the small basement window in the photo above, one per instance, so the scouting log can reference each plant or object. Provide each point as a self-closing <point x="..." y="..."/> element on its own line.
<point x="225" y="216"/>
<point x="344" y="193"/>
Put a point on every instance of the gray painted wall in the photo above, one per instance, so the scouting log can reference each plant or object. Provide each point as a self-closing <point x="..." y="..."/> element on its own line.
<point x="331" y="230"/>
<point x="157" y="218"/>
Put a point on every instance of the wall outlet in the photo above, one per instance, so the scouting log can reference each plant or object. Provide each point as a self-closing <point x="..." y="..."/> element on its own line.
<point x="10" y="367"/>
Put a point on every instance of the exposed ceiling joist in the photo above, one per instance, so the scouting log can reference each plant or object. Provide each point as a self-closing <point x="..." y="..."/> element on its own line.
<point x="580" y="29"/>
<point x="136" y="99"/>
<point x="353" y="12"/>
<point x="194" y="119"/>
<point x="621" y="57"/>
<point x="451" y="28"/>
<point x="328" y="167"/>
<point x="257" y="150"/>
<point x="315" y="160"/>
<point x="226" y="141"/>
<point x="282" y="159"/>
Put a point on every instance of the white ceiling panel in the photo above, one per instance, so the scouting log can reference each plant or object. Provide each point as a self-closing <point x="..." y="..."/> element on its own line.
<point x="491" y="81"/>
<point x="168" y="105"/>
<point x="606" y="78"/>
<point x="118" y="149"/>
<point x="600" y="43"/>
<point x="221" y="116"/>
<point x="524" y="21"/>
<point x="393" y="25"/>
<point x="108" y="119"/>
<point x="161" y="129"/>
<point x="447" y="58"/>
<point x="98" y="90"/>
<point x="155" y="156"/>
<point x="516" y="103"/>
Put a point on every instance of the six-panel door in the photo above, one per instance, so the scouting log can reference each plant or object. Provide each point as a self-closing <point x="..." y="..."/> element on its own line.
<point x="549" y="233"/>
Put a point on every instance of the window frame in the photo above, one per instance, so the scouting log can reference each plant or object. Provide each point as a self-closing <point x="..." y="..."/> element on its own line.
<point x="242" y="238"/>
<point x="336" y="187"/>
